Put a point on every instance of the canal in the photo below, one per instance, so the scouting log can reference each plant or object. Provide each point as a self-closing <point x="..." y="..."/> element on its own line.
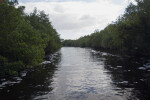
<point x="82" y="74"/>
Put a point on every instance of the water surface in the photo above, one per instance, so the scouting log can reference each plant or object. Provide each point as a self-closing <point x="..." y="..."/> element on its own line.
<point x="83" y="74"/>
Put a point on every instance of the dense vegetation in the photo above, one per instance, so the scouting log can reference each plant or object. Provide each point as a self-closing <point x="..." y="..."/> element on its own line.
<point x="130" y="33"/>
<point x="24" y="38"/>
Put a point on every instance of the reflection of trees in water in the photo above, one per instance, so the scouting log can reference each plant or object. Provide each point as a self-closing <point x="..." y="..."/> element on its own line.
<point x="36" y="83"/>
<point x="125" y="74"/>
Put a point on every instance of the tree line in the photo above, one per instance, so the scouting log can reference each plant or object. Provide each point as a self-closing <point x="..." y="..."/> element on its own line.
<point x="24" y="38"/>
<point x="130" y="33"/>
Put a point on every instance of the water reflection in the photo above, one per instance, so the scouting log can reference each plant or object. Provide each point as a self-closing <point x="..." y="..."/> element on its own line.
<point x="82" y="76"/>
<point x="133" y="82"/>
<point x="85" y="74"/>
<point x="35" y="84"/>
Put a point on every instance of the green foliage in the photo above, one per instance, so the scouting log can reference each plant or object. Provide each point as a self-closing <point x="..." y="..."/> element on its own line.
<point x="130" y="33"/>
<point x="40" y="22"/>
<point x="24" y="39"/>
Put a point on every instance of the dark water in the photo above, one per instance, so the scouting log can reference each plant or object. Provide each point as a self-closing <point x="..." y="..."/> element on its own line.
<point x="82" y="74"/>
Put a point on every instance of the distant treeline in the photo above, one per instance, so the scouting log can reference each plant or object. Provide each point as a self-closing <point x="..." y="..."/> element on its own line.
<point x="130" y="33"/>
<point x="24" y="38"/>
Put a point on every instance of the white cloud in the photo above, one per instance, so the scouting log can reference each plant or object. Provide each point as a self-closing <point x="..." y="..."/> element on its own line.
<point x="73" y="19"/>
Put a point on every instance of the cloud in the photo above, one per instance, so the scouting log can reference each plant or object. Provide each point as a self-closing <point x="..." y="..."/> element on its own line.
<point x="73" y="19"/>
<point x="59" y="9"/>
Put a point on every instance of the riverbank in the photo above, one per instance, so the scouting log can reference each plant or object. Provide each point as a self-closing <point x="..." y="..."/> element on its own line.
<point x="26" y="39"/>
<point x="6" y="80"/>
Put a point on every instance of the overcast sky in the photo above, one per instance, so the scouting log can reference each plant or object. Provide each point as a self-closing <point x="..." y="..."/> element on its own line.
<point x="75" y="18"/>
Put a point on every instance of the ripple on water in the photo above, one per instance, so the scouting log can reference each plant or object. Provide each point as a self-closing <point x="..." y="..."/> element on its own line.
<point x="83" y="74"/>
